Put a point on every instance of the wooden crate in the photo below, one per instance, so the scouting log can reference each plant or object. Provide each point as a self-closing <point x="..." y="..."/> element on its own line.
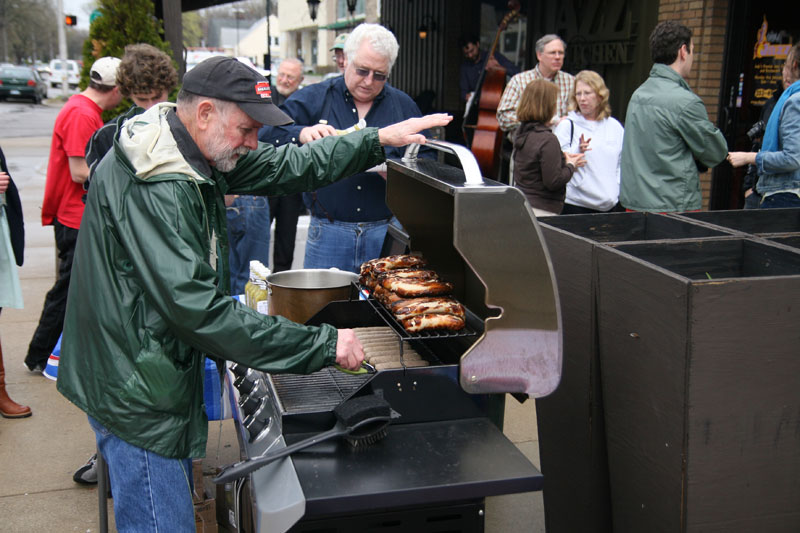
<point x="699" y="350"/>
<point x="570" y="421"/>
<point x="751" y="221"/>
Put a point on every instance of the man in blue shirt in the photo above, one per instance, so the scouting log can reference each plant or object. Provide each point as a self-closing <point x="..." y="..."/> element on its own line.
<point x="348" y="218"/>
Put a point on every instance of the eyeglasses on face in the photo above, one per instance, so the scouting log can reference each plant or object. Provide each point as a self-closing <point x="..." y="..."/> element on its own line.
<point x="377" y="76"/>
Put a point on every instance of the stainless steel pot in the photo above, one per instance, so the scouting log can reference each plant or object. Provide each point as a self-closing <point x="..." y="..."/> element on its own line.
<point x="299" y="294"/>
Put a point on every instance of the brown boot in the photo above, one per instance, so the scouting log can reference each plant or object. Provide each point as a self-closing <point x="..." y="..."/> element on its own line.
<point x="8" y="408"/>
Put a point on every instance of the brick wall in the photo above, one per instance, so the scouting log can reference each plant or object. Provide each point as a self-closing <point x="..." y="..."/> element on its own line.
<point x="707" y="19"/>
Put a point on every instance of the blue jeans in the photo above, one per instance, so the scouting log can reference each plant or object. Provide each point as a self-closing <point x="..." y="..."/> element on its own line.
<point x="248" y="234"/>
<point x="343" y="245"/>
<point x="151" y="493"/>
<point x="779" y="200"/>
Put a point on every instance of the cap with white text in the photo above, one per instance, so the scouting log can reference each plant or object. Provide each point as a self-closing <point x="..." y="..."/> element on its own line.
<point x="227" y="79"/>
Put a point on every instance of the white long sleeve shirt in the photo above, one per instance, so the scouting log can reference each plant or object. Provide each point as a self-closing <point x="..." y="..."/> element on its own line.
<point x="596" y="185"/>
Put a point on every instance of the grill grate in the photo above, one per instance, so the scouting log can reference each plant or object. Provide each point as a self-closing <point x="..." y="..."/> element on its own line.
<point x="320" y="391"/>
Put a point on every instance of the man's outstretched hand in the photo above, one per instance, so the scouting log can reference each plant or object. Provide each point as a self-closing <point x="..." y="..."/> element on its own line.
<point x="407" y="132"/>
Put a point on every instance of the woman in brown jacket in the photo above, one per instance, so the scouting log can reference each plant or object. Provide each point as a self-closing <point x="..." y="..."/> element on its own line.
<point x="541" y="169"/>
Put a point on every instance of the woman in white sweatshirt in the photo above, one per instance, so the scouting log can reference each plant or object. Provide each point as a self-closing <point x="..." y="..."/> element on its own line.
<point x="590" y="129"/>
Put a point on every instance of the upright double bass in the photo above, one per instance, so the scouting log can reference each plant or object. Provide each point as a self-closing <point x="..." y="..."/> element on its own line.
<point x="480" y="116"/>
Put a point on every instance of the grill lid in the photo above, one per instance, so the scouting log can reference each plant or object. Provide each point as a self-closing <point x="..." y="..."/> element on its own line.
<point x="483" y="236"/>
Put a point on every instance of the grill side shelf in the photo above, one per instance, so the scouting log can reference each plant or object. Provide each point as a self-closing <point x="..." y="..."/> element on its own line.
<point x="473" y="325"/>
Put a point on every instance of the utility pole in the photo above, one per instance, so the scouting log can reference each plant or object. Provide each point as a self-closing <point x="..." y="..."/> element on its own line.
<point x="268" y="55"/>
<point x="62" y="47"/>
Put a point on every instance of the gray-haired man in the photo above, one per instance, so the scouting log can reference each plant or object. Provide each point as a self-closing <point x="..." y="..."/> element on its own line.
<point x="133" y="359"/>
<point x="550" y="52"/>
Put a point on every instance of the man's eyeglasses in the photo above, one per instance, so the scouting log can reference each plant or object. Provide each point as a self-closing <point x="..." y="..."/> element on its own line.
<point x="377" y="76"/>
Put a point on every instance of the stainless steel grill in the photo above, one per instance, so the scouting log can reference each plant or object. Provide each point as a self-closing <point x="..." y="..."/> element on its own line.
<point x="443" y="455"/>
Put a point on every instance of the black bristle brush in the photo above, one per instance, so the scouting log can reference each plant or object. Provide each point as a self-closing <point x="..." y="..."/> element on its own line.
<point x="361" y="421"/>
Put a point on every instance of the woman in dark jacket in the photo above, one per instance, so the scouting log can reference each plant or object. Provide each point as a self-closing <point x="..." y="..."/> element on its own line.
<point x="541" y="169"/>
<point x="11" y="250"/>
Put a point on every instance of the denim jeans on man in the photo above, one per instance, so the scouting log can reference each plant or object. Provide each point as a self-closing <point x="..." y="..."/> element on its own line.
<point x="248" y="236"/>
<point x="343" y="245"/>
<point x="151" y="493"/>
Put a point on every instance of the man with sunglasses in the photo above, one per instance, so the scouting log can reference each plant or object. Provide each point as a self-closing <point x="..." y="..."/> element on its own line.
<point x="349" y="218"/>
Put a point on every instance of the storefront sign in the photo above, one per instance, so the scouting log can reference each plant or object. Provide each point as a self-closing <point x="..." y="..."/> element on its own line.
<point x="768" y="60"/>
<point x="598" y="36"/>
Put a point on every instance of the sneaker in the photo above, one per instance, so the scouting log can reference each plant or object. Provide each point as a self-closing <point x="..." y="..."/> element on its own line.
<point x="38" y="368"/>
<point x="51" y="370"/>
<point x="87" y="474"/>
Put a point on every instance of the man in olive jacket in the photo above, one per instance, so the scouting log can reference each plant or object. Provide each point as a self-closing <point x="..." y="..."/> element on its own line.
<point x="667" y="130"/>
<point x="148" y="294"/>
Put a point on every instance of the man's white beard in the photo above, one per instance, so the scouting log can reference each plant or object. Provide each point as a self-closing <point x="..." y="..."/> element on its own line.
<point x="222" y="154"/>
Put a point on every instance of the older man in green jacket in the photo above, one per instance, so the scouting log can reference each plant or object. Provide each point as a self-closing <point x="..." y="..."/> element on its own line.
<point x="148" y="297"/>
<point x="667" y="131"/>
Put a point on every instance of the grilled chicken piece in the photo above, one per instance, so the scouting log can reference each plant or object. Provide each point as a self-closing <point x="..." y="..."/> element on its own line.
<point x="369" y="281"/>
<point x="366" y="266"/>
<point x="394" y="262"/>
<point x="429" y="322"/>
<point x="413" y="288"/>
<point x="407" y="273"/>
<point x="385" y="296"/>
<point x="435" y="305"/>
<point x="372" y="279"/>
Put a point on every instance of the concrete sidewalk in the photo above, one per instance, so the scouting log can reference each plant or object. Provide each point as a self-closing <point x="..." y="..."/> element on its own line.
<point x="39" y="454"/>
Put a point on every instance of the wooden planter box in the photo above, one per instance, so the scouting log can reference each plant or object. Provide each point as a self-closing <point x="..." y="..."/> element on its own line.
<point x="700" y="359"/>
<point x="571" y="428"/>
<point x="753" y="221"/>
<point x="626" y="227"/>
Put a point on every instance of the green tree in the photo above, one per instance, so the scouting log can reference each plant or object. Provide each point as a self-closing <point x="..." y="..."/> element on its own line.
<point x="192" y="29"/>
<point x="121" y="22"/>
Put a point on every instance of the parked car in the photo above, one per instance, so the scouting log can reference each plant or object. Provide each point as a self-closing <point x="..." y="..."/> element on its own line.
<point x="72" y="73"/>
<point x="22" y="82"/>
<point x="44" y="71"/>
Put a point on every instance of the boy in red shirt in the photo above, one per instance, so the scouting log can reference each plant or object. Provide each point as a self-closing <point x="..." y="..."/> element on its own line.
<point x="62" y="206"/>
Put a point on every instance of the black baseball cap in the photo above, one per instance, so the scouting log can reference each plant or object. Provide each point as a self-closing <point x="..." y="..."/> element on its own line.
<point x="226" y="78"/>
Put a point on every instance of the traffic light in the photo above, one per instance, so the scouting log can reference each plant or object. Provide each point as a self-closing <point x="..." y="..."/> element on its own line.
<point x="70" y="20"/>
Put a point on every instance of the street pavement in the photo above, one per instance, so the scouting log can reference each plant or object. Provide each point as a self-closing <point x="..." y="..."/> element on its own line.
<point x="39" y="454"/>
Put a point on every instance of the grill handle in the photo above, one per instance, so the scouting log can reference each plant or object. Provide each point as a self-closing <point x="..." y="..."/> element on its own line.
<point x="472" y="172"/>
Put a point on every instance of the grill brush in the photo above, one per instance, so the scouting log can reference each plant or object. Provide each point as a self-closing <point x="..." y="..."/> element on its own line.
<point x="361" y="421"/>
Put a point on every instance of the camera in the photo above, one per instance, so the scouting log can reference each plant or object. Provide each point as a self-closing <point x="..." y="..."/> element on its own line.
<point x="757" y="130"/>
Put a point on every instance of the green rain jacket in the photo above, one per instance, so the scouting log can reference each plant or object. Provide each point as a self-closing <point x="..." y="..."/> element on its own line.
<point x="666" y="129"/>
<point x="145" y="303"/>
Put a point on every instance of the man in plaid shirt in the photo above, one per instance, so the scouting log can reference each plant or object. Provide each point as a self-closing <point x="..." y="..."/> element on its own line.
<point x="550" y="54"/>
